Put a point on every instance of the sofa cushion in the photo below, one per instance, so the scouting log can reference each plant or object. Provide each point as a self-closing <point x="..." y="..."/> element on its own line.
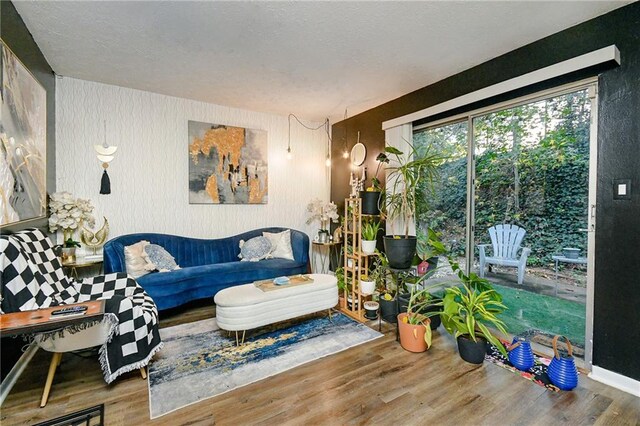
<point x="255" y="249"/>
<point x="136" y="259"/>
<point x="280" y="244"/>
<point x="160" y="258"/>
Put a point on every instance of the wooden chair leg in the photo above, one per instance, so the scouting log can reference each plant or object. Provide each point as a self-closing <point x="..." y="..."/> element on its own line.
<point x="143" y="372"/>
<point x="55" y="361"/>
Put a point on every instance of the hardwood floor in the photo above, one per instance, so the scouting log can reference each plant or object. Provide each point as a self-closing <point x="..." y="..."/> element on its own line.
<point x="374" y="383"/>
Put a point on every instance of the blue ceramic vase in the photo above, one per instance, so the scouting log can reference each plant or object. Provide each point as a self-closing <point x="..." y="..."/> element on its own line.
<point x="562" y="370"/>
<point x="520" y="354"/>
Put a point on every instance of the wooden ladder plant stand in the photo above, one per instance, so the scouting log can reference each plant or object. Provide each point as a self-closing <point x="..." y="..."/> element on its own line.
<point x="355" y="262"/>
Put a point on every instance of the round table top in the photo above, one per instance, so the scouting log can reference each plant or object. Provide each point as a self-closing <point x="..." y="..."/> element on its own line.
<point x="562" y="258"/>
<point x="330" y="243"/>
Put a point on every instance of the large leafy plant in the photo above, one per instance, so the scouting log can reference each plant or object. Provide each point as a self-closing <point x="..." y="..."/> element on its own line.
<point x="469" y="312"/>
<point x="404" y="174"/>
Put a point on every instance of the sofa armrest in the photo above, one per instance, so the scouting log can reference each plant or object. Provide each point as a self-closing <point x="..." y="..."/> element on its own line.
<point x="113" y="257"/>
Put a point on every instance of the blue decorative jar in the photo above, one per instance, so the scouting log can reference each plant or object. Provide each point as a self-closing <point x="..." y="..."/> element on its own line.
<point x="562" y="370"/>
<point x="520" y="354"/>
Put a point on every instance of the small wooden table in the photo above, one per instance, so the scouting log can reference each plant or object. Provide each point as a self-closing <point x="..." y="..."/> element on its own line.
<point x="38" y="321"/>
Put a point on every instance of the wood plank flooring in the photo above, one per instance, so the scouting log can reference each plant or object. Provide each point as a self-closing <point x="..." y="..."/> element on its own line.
<point x="375" y="383"/>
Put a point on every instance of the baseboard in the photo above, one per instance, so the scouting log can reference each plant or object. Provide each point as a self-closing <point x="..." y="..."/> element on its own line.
<point x="616" y="380"/>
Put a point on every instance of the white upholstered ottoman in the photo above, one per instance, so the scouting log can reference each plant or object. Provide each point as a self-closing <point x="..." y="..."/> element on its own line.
<point x="246" y="307"/>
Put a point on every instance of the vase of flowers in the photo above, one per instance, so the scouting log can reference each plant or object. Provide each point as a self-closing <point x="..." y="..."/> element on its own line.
<point x="67" y="213"/>
<point x="322" y="212"/>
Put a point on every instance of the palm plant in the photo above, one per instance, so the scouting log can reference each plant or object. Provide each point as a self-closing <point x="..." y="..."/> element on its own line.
<point x="404" y="174"/>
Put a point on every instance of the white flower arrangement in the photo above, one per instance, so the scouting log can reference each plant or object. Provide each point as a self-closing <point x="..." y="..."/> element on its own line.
<point x="322" y="212"/>
<point x="68" y="212"/>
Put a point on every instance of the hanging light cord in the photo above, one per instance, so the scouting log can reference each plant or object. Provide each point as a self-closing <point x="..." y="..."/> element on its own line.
<point x="326" y="126"/>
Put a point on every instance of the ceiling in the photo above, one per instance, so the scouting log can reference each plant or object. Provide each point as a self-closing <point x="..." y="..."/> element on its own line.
<point x="311" y="58"/>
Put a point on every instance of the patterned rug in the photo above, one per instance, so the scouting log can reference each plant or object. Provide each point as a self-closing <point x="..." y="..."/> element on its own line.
<point x="199" y="361"/>
<point x="537" y="373"/>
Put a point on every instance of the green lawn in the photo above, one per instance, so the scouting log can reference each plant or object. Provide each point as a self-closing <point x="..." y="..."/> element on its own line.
<point x="551" y="315"/>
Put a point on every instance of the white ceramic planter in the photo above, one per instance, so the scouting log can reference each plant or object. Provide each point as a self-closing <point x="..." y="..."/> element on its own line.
<point x="367" y="287"/>
<point x="368" y="247"/>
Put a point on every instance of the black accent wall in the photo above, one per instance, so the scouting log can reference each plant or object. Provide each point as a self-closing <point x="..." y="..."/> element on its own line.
<point x="617" y="258"/>
<point x="16" y="35"/>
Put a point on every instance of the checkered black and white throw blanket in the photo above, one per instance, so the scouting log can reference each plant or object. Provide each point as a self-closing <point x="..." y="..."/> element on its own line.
<point x="32" y="278"/>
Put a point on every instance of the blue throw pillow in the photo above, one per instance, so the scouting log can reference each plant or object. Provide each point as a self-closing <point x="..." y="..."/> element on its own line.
<point x="255" y="249"/>
<point x="160" y="258"/>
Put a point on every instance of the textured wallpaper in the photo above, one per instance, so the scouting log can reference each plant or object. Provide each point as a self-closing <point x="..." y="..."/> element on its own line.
<point x="149" y="175"/>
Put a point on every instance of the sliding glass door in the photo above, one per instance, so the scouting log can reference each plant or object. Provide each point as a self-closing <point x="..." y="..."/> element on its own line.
<point x="513" y="203"/>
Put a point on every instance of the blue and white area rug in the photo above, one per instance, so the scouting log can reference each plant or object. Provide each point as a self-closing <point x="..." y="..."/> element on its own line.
<point x="198" y="360"/>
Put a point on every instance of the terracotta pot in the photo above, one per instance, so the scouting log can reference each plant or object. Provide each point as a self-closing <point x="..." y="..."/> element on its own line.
<point x="412" y="336"/>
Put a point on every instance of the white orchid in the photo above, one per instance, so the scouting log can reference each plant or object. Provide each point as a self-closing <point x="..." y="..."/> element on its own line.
<point x="322" y="212"/>
<point x="67" y="212"/>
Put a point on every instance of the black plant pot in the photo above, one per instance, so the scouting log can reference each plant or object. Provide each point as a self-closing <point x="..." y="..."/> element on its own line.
<point x="435" y="320"/>
<point x="403" y="302"/>
<point x="370" y="200"/>
<point x="470" y="351"/>
<point x="389" y="310"/>
<point x="400" y="251"/>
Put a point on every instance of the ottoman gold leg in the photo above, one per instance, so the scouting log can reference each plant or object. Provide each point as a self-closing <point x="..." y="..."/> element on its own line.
<point x="240" y="342"/>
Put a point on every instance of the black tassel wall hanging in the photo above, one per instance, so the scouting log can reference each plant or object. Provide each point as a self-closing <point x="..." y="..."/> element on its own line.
<point x="105" y="182"/>
<point x="105" y="154"/>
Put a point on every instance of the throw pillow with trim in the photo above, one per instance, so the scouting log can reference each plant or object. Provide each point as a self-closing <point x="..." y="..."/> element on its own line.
<point x="255" y="249"/>
<point x="281" y="244"/>
<point x="136" y="260"/>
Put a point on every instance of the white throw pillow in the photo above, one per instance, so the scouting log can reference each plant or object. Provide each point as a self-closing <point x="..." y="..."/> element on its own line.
<point x="136" y="259"/>
<point x="281" y="244"/>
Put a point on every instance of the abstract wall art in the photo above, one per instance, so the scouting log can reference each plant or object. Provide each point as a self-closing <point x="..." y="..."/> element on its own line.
<point x="23" y="142"/>
<point x="227" y="165"/>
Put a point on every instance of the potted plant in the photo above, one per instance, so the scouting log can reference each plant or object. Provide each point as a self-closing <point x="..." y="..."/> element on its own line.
<point x="370" y="231"/>
<point x="386" y="288"/>
<point x="400" y="201"/>
<point x="371" y="196"/>
<point x="428" y="249"/>
<point x="413" y="326"/>
<point x="67" y="213"/>
<point x="322" y="212"/>
<point x="367" y="285"/>
<point x="468" y="312"/>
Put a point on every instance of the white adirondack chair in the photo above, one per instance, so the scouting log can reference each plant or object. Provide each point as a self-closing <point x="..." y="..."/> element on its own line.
<point x="505" y="240"/>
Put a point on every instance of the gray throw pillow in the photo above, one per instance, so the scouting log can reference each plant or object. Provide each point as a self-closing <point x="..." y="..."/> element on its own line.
<point x="160" y="258"/>
<point x="255" y="249"/>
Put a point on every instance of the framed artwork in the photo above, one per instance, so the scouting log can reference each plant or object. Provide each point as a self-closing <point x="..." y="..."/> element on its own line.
<point x="23" y="147"/>
<point x="227" y="165"/>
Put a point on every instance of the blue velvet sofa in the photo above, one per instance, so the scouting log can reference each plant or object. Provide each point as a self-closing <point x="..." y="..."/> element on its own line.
<point x="207" y="266"/>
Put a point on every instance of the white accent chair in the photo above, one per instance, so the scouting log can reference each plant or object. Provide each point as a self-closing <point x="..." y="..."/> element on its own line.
<point x="505" y="241"/>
